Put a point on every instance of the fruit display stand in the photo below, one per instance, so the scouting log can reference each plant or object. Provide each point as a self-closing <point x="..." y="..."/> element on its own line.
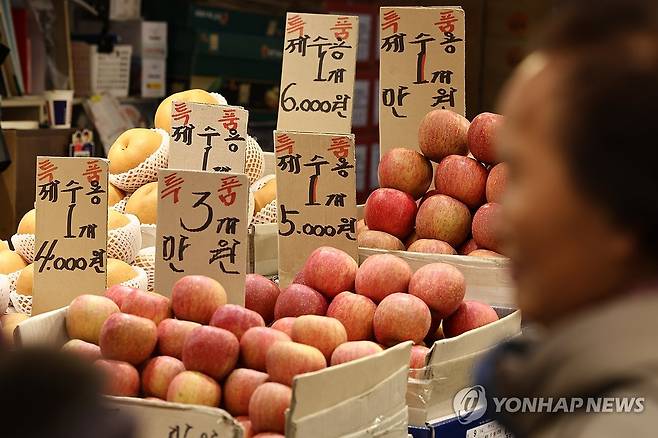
<point x="362" y="398"/>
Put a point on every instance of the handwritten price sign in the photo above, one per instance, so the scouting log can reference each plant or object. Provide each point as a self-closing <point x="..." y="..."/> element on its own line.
<point x="202" y="229"/>
<point x="317" y="77"/>
<point x="421" y="69"/>
<point x="316" y="195"/>
<point x="71" y="230"/>
<point x="208" y="137"/>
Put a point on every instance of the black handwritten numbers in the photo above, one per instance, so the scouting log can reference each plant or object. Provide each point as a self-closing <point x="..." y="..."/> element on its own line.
<point x="187" y="431"/>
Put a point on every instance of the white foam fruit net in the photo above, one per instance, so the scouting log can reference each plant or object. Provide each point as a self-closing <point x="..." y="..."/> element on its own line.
<point x="253" y="160"/>
<point x="4" y="293"/>
<point x="148" y="235"/>
<point x="24" y="246"/>
<point x="146" y="260"/>
<point x="23" y="303"/>
<point x="146" y="171"/>
<point x="121" y="205"/>
<point x="124" y="243"/>
<point x="267" y="214"/>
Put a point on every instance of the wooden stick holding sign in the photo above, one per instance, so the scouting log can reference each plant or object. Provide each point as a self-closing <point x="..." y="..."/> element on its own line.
<point x="422" y="56"/>
<point x="317" y="75"/>
<point x="316" y="195"/>
<point x="202" y="229"/>
<point x="71" y="230"/>
<point x="208" y="137"/>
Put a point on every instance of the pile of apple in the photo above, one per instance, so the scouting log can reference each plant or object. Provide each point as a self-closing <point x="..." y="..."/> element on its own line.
<point x="195" y="348"/>
<point x="462" y="212"/>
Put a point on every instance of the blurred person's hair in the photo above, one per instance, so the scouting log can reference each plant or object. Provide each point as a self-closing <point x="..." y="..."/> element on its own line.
<point x="608" y="107"/>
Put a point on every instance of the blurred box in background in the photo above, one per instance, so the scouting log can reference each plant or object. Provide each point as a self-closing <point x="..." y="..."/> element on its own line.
<point x="95" y="72"/>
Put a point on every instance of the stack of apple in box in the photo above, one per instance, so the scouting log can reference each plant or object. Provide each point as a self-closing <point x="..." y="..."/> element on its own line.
<point x="462" y="212"/>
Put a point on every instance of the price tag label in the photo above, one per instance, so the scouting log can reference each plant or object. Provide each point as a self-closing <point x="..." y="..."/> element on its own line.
<point x="422" y="56"/>
<point x="202" y="229"/>
<point x="208" y="137"/>
<point x="316" y="196"/>
<point x="317" y="77"/>
<point x="71" y="230"/>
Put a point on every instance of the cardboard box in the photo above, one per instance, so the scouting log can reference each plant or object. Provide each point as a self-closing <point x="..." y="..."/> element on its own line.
<point x="150" y="77"/>
<point x="147" y="38"/>
<point x="363" y="398"/>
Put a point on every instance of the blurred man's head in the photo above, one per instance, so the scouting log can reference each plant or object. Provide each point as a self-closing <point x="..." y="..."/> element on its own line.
<point x="581" y="139"/>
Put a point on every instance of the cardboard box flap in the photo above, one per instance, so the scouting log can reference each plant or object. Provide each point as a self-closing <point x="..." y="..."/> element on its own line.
<point x="47" y="329"/>
<point x="487" y="280"/>
<point x="348" y="386"/>
<point x="473" y="341"/>
<point x="164" y="419"/>
<point x="392" y="426"/>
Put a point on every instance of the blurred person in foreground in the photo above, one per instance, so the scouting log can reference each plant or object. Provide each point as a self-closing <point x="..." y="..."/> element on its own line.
<point x="581" y="222"/>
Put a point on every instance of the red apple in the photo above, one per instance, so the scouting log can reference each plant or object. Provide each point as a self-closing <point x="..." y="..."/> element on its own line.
<point x="147" y="305"/>
<point x="468" y="247"/>
<point x="299" y="278"/>
<point x="194" y="388"/>
<point x="118" y="292"/>
<point x="196" y="297"/>
<point x="297" y="300"/>
<point x="470" y="315"/>
<point x="267" y="407"/>
<point x="285" y="360"/>
<point x="431" y="246"/>
<point x="379" y="240"/>
<point x="463" y="179"/>
<point x="158" y="374"/>
<point x="361" y="226"/>
<point x="121" y="378"/>
<point x="321" y="332"/>
<point x="486" y="254"/>
<point x="85" y="316"/>
<point x="284" y="324"/>
<point x="405" y="170"/>
<point x="212" y="351"/>
<point x="83" y="349"/>
<point x="401" y="317"/>
<point x="418" y="356"/>
<point x="427" y="195"/>
<point x="381" y="275"/>
<point x="128" y="338"/>
<point x="440" y="285"/>
<point x="260" y="295"/>
<point x="486" y="222"/>
<point x="390" y="211"/>
<point x="172" y="334"/>
<point x="355" y="312"/>
<point x="330" y="271"/>
<point x="353" y="350"/>
<point x="236" y="319"/>
<point x="444" y="218"/>
<point x="441" y="133"/>
<point x="411" y="239"/>
<point x="482" y="136"/>
<point x="496" y="182"/>
<point x="255" y="344"/>
<point x="246" y="425"/>
<point x="239" y="387"/>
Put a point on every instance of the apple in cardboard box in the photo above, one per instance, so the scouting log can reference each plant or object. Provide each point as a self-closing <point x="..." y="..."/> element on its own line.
<point x="118" y="293"/>
<point x="267" y="407"/>
<point x="196" y="297"/>
<point x="195" y="388"/>
<point x="239" y="387"/>
<point x="321" y="332"/>
<point x="401" y="317"/>
<point x="405" y="170"/>
<point x="158" y="374"/>
<point x="355" y="312"/>
<point x="463" y="179"/>
<point x="440" y="285"/>
<point x="297" y="300"/>
<point x="83" y="349"/>
<point x="381" y="275"/>
<point x="431" y="246"/>
<point x="285" y="360"/>
<point x="390" y="211"/>
<point x="128" y="338"/>
<point x="353" y="350"/>
<point x="149" y="305"/>
<point x="443" y="218"/>
<point x="121" y="379"/>
<point x="496" y="182"/>
<point x="486" y="223"/>
<point x="260" y="295"/>
<point x="285" y="324"/>
<point x="482" y="136"/>
<point x="441" y="133"/>
<point x="379" y="240"/>
<point x="86" y="315"/>
<point x="236" y="319"/>
<point x="172" y="334"/>
<point x="255" y="344"/>
<point x="212" y="351"/>
<point x="330" y="271"/>
<point x="470" y="315"/>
